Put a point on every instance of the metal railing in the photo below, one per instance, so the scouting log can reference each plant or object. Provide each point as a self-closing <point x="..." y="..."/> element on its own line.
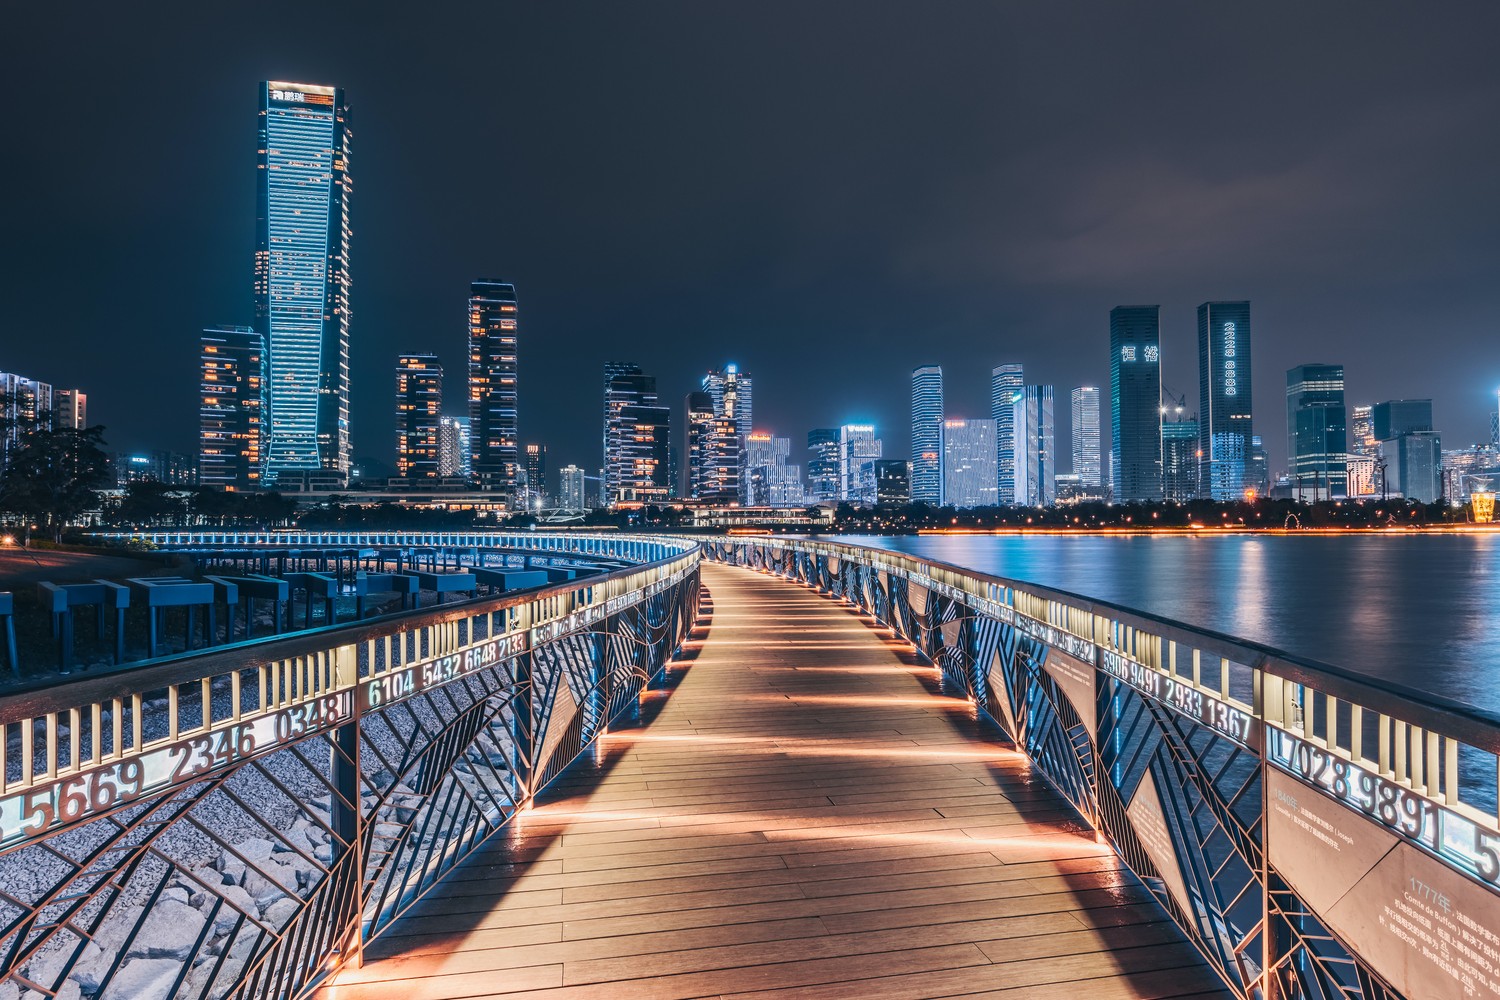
<point x="238" y="823"/>
<point x="1314" y="832"/>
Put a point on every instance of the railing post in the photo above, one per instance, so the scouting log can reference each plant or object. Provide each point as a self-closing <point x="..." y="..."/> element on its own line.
<point x="347" y="814"/>
<point x="521" y="730"/>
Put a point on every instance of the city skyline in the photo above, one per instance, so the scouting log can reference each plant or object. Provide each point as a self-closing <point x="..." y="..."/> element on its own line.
<point x="1178" y="215"/>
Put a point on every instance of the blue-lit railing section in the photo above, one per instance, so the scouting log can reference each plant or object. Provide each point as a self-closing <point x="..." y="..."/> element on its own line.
<point x="238" y="823"/>
<point x="1315" y="834"/>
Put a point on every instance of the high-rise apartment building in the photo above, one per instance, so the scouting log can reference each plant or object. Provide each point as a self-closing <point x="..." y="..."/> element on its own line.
<point x="71" y="409"/>
<point x="1226" y="469"/>
<point x="494" y="435"/>
<point x="731" y="390"/>
<point x="26" y="405"/>
<point x="570" y="492"/>
<point x="1036" y="458"/>
<point x="1317" y="444"/>
<point x="1088" y="456"/>
<point x="927" y="435"/>
<point x="302" y="276"/>
<point x="713" y="451"/>
<point x="637" y="440"/>
<point x="1135" y="471"/>
<point x="231" y="408"/>
<point x="536" y="475"/>
<point x="1006" y="383"/>
<point x="969" y="458"/>
<point x="824" y="458"/>
<point x="858" y="446"/>
<point x="419" y="411"/>
<point x="455" y="457"/>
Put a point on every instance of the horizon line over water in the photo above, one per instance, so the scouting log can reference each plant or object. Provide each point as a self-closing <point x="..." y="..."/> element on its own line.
<point x="1414" y="608"/>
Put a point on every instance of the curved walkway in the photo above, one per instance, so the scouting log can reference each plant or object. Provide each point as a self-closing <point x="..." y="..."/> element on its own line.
<point x="801" y="814"/>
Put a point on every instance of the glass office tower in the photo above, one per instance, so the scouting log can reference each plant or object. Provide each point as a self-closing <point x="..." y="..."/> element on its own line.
<point x="493" y="434"/>
<point x="1316" y="430"/>
<point x="824" y="459"/>
<point x="1088" y="458"/>
<point x="1135" y="402"/>
<point x="1006" y="383"/>
<point x="1036" y="470"/>
<point x="302" y="276"/>
<point x="927" y="435"/>
<point x="969" y="463"/>
<point x="1225" y="469"/>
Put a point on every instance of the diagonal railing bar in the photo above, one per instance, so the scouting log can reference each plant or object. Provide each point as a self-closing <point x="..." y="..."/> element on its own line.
<point x="1316" y="833"/>
<point x="240" y="822"/>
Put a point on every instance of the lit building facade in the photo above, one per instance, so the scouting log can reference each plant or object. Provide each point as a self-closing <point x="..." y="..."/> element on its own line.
<point x="1179" y="459"/>
<point x="231" y="408"/>
<point x="536" y="475"/>
<point x="72" y="409"/>
<point x="1135" y="465"/>
<point x="732" y="391"/>
<point x="302" y="276"/>
<point x="1225" y="426"/>
<point x="419" y="411"/>
<point x="1036" y="459"/>
<point x="774" y="481"/>
<point x="713" y="450"/>
<point x="1411" y="452"/>
<point x="892" y="481"/>
<point x="969" y="463"/>
<point x="455" y="456"/>
<point x="1317" y="445"/>
<point x="570" y="488"/>
<point x="637" y="441"/>
<point x="495" y="457"/>
<point x="26" y="405"/>
<point x="927" y="435"/>
<point x="823" y="464"/>
<point x="1362" y="439"/>
<point x="1088" y="455"/>
<point x="1006" y="383"/>
<point x="858" y="446"/>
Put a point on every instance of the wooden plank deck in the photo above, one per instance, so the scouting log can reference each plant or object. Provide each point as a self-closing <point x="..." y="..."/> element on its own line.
<point x="802" y="815"/>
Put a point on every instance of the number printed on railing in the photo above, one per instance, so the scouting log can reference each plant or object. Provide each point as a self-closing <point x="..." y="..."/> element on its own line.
<point x="1454" y="838"/>
<point x="191" y="759"/>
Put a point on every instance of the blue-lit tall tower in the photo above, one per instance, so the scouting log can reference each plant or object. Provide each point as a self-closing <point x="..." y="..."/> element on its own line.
<point x="302" y="276"/>
<point x="1224" y="426"/>
<point x="1006" y="384"/>
<point x="1135" y="402"/>
<point x="927" y="435"/>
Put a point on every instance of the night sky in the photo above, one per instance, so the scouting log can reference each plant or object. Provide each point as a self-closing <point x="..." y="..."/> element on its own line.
<point x="826" y="193"/>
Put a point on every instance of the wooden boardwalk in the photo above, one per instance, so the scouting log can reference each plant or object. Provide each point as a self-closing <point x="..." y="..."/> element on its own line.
<point x="801" y="816"/>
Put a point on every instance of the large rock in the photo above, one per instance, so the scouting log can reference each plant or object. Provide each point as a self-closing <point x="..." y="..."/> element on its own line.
<point x="281" y="911"/>
<point x="143" y="979"/>
<point x="236" y="902"/>
<point x="171" y="931"/>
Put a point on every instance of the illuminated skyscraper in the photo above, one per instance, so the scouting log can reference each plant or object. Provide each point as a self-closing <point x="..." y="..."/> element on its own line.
<point x="1225" y="468"/>
<point x="231" y="408"/>
<point x="419" y="409"/>
<point x="302" y="276"/>
<point x="1179" y="459"/>
<point x="858" y="446"/>
<point x="1135" y="402"/>
<point x="730" y="389"/>
<point x="536" y="475"/>
<point x="1088" y="459"/>
<point x="25" y="405"/>
<point x="927" y="435"/>
<point x="774" y="482"/>
<point x="823" y="464"/>
<point x="713" y="450"/>
<point x="493" y="433"/>
<point x="969" y="463"/>
<point x="1006" y="383"/>
<point x="637" y="439"/>
<point x="570" y="494"/>
<point x="1410" y="449"/>
<point x="455" y="456"/>
<point x="1317" y="444"/>
<point x="1036" y="456"/>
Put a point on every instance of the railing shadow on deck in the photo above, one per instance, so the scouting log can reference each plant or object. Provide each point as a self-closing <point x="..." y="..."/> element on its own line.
<point x="439" y="920"/>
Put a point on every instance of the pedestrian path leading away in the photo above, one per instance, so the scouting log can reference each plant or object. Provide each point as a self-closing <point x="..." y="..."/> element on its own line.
<point x="802" y="815"/>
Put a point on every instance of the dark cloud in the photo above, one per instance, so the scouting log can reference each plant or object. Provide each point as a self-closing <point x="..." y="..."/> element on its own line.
<point x="827" y="193"/>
